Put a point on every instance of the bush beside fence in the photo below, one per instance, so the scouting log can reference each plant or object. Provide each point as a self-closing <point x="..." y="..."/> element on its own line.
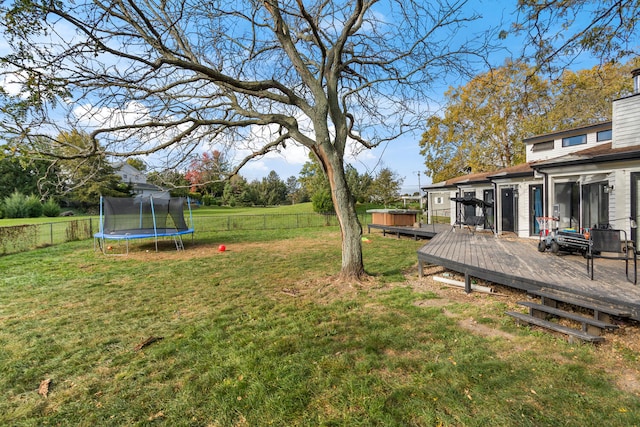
<point x="22" y="238"/>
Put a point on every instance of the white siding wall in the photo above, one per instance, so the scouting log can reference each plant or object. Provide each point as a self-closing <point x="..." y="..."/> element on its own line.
<point x="439" y="209"/>
<point x="559" y="150"/>
<point x="620" y="201"/>
<point x="626" y="121"/>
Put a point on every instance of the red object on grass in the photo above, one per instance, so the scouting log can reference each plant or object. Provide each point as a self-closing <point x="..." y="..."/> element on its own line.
<point x="222" y="248"/>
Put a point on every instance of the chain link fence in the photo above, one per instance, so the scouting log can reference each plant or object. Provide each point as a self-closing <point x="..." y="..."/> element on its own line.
<point x="22" y="238"/>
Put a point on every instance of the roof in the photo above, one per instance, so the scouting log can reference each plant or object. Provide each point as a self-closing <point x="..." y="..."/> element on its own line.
<point x="523" y="169"/>
<point x="596" y="154"/>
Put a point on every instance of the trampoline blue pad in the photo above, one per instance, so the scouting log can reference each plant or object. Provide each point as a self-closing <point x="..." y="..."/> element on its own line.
<point x="142" y="233"/>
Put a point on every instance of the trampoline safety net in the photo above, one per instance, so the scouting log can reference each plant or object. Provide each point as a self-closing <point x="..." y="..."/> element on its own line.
<point x="143" y="216"/>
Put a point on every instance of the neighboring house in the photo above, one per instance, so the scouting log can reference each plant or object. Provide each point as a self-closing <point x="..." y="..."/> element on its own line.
<point x="584" y="176"/>
<point x="138" y="181"/>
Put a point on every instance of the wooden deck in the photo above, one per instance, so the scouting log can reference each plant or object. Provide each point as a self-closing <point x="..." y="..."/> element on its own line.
<point x="517" y="263"/>
<point x="426" y="231"/>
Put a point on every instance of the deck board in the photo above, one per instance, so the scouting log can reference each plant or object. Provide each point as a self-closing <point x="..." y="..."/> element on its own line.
<point x="517" y="263"/>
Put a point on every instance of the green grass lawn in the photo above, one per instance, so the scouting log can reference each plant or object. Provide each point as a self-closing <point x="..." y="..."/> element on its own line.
<point x="300" y="208"/>
<point x="263" y="334"/>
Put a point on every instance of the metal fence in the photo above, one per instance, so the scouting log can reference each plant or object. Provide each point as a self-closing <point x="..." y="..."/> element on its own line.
<point x="267" y="222"/>
<point x="22" y="238"/>
<point x="19" y="238"/>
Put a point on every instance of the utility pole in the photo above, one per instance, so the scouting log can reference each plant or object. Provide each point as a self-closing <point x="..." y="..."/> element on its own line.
<point x="419" y="190"/>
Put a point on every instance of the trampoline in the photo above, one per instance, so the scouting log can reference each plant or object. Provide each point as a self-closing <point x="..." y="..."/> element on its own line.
<point x="125" y="219"/>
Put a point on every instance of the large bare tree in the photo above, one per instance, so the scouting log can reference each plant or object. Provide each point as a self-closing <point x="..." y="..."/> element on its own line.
<point x="560" y="32"/>
<point x="166" y="76"/>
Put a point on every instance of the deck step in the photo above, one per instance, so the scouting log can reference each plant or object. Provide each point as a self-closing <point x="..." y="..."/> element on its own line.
<point x="572" y="333"/>
<point x="589" y="324"/>
<point x="600" y="311"/>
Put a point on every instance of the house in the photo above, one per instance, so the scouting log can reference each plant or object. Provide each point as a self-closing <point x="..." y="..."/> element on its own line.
<point x="587" y="176"/>
<point x="138" y="181"/>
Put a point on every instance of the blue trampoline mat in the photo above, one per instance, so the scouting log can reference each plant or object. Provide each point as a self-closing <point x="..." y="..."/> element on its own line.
<point x="141" y="233"/>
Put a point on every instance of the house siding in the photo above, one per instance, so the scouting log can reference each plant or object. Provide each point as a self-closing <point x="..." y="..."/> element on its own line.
<point x="559" y="151"/>
<point x="521" y="189"/>
<point x="626" y="117"/>
<point x="600" y="172"/>
<point x="620" y="203"/>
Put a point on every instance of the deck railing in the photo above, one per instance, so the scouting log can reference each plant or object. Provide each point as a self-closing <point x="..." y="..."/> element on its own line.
<point x="22" y="238"/>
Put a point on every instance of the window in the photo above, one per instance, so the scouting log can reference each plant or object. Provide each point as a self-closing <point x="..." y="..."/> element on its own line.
<point x="604" y="135"/>
<point x="574" y="140"/>
<point x="542" y="146"/>
<point x="567" y="198"/>
<point x="595" y="204"/>
<point x="438" y="200"/>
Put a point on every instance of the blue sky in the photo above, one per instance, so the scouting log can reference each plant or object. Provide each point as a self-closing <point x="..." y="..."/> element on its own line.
<point x="402" y="155"/>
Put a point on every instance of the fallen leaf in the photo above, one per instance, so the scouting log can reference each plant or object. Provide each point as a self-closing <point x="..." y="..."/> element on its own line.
<point x="43" y="390"/>
<point x="156" y="416"/>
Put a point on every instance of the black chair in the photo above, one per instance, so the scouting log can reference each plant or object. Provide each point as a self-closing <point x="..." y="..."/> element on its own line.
<point x="611" y="244"/>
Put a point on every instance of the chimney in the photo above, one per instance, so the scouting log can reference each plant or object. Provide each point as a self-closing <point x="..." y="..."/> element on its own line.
<point x="625" y="117"/>
<point x="636" y="80"/>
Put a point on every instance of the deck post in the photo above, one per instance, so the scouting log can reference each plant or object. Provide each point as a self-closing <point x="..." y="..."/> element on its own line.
<point x="420" y="269"/>
<point x="467" y="283"/>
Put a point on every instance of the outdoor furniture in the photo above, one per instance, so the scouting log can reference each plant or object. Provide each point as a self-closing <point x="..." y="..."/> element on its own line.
<point x="470" y="221"/>
<point x="611" y="244"/>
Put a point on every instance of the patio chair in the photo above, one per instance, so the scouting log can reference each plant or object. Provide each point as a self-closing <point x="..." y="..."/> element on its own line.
<point x="611" y="244"/>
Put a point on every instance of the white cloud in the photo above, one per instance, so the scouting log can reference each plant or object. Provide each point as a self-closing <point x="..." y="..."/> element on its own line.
<point x="12" y="84"/>
<point x="89" y="116"/>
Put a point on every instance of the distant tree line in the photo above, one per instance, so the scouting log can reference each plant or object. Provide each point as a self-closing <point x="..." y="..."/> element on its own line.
<point x="31" y="187"/>
<point x="210" y="181"/>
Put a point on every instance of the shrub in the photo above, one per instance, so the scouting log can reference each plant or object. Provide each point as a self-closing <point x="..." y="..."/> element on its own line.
<point x="51" y="208"/>
<point x="33" y="206"/>
<point x="15" y="206"/>
<point x="322" y="203"/>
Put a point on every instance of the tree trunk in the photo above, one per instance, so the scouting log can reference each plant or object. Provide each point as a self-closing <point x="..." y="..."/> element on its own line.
<point x="350" y="227"/>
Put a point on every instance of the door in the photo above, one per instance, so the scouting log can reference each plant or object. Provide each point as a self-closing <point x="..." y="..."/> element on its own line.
<point x="595" y="204"/>
<point x="567" y="198"/>
<point x="488" y="197"/>
<point x="508" y="209"/>
<point x="535" y="208"/>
